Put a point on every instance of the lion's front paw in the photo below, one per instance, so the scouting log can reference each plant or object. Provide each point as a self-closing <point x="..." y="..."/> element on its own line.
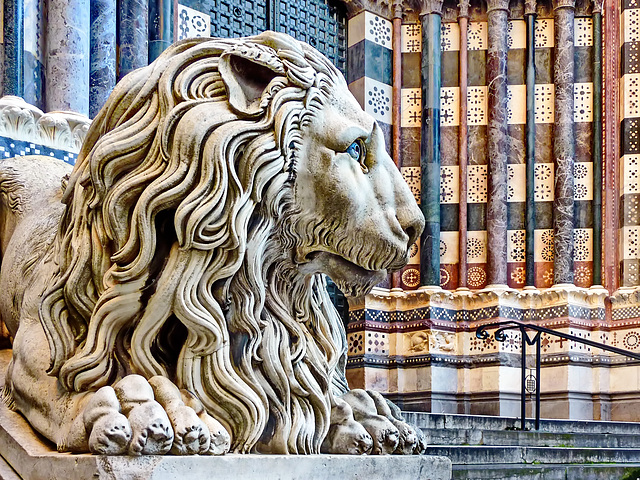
<point x="380" y="425"/>
<point x="153" y="417"/>
<point x="109" y="430"/>
<point x="409" y="441"/>
<point x="346" y="436"/>
<point x="151" y="427"/>
<point x="110" y="435"/>
<point x="220" y="441"/>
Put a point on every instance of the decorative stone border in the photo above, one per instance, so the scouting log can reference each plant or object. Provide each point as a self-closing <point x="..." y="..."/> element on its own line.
<point x="60" y="130"/>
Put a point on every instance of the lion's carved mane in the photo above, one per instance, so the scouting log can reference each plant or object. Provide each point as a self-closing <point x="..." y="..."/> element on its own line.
<point x="170" y="253"/>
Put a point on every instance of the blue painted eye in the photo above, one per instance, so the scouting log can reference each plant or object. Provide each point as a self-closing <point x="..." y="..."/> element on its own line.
<point x="355" y="150"/>
<point x="358" y="152"/>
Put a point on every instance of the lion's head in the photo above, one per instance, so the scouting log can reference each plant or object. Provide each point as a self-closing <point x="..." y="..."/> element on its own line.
<point x="213" y="189"/>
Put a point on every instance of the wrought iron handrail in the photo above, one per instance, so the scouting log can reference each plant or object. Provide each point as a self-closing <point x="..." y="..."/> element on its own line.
<point x="500" y="336"/>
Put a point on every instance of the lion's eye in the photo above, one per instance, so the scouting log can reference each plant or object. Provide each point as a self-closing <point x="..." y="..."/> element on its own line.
<point x="358" y="152"/>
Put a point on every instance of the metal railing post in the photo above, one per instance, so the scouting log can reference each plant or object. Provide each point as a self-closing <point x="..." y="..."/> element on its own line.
<point x="538" y="360"/>
<point x="499" y="335"/>
<point x="523" y="377"/>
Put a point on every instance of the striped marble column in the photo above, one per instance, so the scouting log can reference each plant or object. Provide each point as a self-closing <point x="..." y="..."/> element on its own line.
<point x="13" y="38"/>
<point x="564" y="141"/>
<point x="597" y="143"/>
<point x="67" y="74"/>
<point x="34" y="52"/>
<point x="613" y="36"/>
<point x="463" y="141"/>
<point x="430" y="18"/>
<point x="477" y="121"/>
<point x="410" y="122"/>
<point x="133" y="35"/>
<point x="102" y="76"/>
<point x="369" y="74"/>
<point x="160" y="27"/>
<point x="396" y="279"/>
<point x="497" y="142"/>
<point x="543" y="191"/>
<point x="630" y="146"/>
<point x="449" y="166"/>
<point x="530" y="216"/>
<point x="583" y="117"/>
<point x="516" y="169"/>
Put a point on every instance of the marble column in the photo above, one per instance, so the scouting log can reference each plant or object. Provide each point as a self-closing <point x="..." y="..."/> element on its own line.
<point x="463" y="21"/>
<point x="498" y="144"/>
<point x="160" y="27"/>
<point x="133" y="35"/>
<point x="431" y="18"/>
<point x="597" y="143"/>
<point x="530" y="216"/>
<point x="67" y="59"/>
<point x="396" y="279"/>
<point x="13" y="80"/>
<point x="564" y="141"/>
<point x="102" y="77"/>
<point x="612" y="148"/>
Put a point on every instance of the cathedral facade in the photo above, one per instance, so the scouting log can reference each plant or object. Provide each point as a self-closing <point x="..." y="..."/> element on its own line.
<point x="516" y="125"/>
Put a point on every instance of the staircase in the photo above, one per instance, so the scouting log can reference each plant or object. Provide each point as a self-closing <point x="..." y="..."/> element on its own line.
<point x="493" y="448"/>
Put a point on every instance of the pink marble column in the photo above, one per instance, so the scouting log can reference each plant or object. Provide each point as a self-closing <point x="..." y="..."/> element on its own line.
<point x="498" y="144"/>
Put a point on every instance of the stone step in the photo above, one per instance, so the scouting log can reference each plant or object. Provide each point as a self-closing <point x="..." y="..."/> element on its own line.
<point x="490" y="455"/>
<point x="482" y="422"/>
<point x="547" y="472"/>
<point x="459" y="436"/>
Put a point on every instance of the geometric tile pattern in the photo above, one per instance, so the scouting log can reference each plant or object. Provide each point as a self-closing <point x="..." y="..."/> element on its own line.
<point x="410" y="123"/>
<point x="544" y="179"/>
<point x="544" y="34"/>
<point x="449" y="155"/>
<point x="192" y="23"/>
<point x="411" y="38"/>
<point x="629" y="145"/>
<point x="411" y="107"/>
<point x="516" y="161"/>
<point x="478" y="159"/>
<point x="583" y="102"/>
<point x="10" y="147"/>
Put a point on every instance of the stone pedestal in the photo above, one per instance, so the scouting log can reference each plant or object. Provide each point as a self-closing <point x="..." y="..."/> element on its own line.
<point x="24" y="454"/>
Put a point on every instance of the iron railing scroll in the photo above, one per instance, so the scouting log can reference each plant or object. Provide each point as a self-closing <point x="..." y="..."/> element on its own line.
<point x="535" y="339"/>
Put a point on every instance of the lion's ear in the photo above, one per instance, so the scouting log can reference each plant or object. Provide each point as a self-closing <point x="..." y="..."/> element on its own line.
<point x="247" y="72"/>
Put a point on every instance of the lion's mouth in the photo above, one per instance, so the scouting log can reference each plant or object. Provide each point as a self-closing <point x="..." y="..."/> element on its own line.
<point x="352" y="279"/>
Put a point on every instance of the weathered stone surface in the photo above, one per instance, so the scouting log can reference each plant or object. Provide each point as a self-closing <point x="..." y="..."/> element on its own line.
<point x="33" y="458"/>
<point x="188" y="245"/>
<point x="67" y="76"/>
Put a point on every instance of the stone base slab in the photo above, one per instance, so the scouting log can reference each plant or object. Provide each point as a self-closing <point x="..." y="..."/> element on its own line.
<point x="33" y="458"/>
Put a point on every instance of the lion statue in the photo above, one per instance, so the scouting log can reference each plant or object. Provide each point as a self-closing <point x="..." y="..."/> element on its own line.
<point x="168" y="293"/>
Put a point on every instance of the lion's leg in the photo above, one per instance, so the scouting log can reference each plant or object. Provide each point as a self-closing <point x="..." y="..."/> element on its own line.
<point x="409" y="435"/>
<point x="150" y="426"/>
<point x="385" y="435"/>
<point x="191" y="434"/>
<point x="220" y="439"/>
<point x="346" y="436"/>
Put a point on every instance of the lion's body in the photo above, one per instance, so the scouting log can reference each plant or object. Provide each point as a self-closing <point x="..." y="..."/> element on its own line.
<point x="188" y="245"/>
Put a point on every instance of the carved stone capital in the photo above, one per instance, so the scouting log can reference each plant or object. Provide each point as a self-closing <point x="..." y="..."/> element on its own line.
<point x="597" y="6"/>
<point x="497" y="5"/>
<point x="464" y="8"/>
<point x="397" y="9"/>
<point x="530" y="7"/>
<point x="564" y="4"/>
<point x="426" y="7"/>
<point x="384" y="8"/>
<point x="60" y="130"/>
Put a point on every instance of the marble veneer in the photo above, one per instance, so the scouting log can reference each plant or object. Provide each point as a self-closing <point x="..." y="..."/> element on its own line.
<point x="420" y="348"/>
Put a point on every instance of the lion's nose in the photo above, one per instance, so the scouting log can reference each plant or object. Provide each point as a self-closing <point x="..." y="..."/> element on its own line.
<point x="411" y="221"/>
